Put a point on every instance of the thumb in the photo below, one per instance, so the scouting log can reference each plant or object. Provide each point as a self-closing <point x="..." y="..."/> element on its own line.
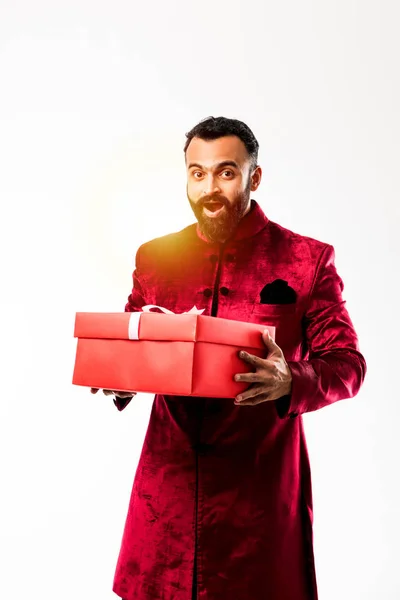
<point x="268" y="341"/>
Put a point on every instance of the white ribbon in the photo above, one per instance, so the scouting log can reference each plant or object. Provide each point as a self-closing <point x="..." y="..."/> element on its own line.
<point x="193" y="311"/>
<point x="133" y="328"/>
<point x="134" y="318"/>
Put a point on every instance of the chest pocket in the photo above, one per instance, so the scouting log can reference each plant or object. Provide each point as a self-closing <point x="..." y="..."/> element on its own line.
<point x="274" y="311"/>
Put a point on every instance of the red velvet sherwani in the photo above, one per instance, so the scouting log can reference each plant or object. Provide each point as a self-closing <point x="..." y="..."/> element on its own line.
<point x="222" y="487"/>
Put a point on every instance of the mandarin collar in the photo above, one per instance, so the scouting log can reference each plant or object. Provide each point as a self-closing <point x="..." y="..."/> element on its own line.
<point x="249" y="225"/>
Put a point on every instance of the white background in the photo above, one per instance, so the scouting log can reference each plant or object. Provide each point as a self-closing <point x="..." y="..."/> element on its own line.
<point x="95" y="99"/>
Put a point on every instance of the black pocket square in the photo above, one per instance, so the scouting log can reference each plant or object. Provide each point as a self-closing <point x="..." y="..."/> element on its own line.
<point x="277" y="292"/>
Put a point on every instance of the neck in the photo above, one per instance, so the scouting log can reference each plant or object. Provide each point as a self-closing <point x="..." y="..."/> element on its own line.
<point x="247" y="209"/>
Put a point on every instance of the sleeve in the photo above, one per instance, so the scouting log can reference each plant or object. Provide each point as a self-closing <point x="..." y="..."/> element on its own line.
<point x="135" y="302"/>
<point x="136" y="298"/>
<point x="334" y="368"/>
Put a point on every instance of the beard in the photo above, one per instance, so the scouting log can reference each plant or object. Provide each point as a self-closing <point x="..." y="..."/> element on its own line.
<point x="221" y="228"/>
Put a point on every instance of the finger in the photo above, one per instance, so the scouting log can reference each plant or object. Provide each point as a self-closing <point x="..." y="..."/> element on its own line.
<point x="251" y="392"/>
<point x="254" y="401"/>
<point x="119" y="394"/>
<point x="256" y="377"/>
<point x="94" y="390"/>
<point x="269" y="342"/>
<point x="266" y="375"/>
<point x="251" y="359"/>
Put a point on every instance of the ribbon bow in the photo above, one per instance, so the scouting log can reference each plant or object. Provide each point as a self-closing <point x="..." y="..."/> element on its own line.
<point x="134" y="317"/>
<point x="193" y="311"/>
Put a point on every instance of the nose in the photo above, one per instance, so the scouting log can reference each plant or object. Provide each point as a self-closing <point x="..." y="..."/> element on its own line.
<point x="211" y="186"/>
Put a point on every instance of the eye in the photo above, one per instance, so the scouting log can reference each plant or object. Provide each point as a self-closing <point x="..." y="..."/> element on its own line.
<point x="230" y="173"/>
<point x="195" y="173"/>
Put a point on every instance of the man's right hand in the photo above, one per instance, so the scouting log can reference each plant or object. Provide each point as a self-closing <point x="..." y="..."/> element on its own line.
<point x="111" y="393"/>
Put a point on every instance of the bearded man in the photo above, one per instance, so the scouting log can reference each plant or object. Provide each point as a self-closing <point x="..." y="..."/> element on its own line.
<point x="221" y="506"/>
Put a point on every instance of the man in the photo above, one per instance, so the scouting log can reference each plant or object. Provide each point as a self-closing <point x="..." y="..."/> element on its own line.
<point x="221" y="505"/>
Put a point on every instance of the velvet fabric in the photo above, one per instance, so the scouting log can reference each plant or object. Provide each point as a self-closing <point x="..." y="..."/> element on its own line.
<point x="222" y="488"/>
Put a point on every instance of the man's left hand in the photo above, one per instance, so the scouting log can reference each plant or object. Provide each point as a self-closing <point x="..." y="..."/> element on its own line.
<point x="272" y="378"/>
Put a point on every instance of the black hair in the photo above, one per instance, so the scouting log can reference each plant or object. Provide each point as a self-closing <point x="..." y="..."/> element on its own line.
<point x="213" y="128"/>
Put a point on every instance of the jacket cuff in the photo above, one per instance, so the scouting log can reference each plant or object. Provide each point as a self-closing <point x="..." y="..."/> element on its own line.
<point x="121" y="403"/>
<point x="304" y="383"/>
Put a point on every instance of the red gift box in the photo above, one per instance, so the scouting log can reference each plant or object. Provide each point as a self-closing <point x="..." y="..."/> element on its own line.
<point x="175" y="354"/>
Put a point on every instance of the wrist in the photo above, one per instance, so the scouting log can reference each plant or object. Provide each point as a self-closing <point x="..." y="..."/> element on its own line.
<point x="289" y="383"/>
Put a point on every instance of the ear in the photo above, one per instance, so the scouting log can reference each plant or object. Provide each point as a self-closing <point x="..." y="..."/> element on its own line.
<point x="256" y="178"/>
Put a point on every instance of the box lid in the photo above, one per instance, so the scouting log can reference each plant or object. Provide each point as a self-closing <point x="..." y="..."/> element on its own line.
<point x="228" y="331"/>
<point x="146" y="325"/>
<point x="170" y="327"/>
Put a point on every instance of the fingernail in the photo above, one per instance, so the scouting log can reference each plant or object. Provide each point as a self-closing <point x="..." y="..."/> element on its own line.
<point x="239" y="398"/>
<point x="242" y="354"/>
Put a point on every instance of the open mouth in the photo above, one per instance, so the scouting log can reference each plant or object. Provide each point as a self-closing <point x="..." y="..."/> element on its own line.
<point x="213" y="208"/>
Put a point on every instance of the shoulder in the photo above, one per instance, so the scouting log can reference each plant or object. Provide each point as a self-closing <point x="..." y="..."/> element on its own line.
<point x="167" y="246"/>
<point x="300" y="246"/>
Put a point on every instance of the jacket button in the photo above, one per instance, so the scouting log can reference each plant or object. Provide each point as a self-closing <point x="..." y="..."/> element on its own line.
<point x="208" y="293"/>
<point x="224" y="291"/>
<point x="230" y="258"/>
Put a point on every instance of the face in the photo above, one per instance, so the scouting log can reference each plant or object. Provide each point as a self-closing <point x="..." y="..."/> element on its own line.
<point x="219" y="183"/>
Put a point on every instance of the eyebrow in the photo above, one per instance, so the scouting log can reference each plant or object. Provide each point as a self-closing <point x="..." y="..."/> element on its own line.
<point x="224" y="163"/>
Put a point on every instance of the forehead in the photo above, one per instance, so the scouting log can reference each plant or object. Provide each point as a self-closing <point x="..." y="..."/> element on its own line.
<point x="210" y="152"/>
